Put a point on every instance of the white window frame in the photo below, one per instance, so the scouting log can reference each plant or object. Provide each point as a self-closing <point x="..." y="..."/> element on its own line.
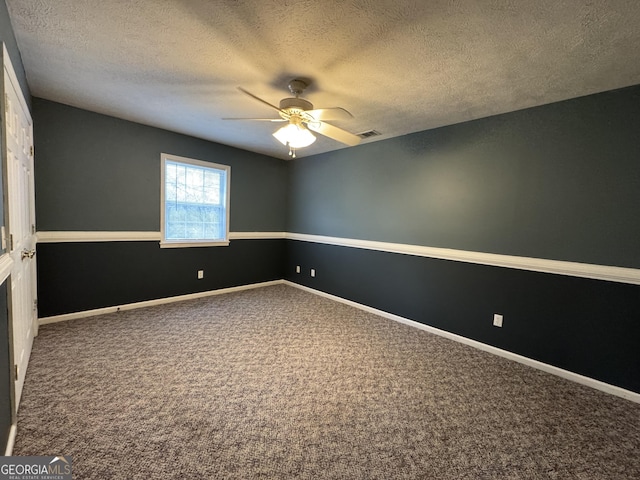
<point x="164" y="243"/>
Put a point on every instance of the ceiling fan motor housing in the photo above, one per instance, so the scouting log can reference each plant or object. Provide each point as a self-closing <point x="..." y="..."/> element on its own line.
<point x="295" y="104"/>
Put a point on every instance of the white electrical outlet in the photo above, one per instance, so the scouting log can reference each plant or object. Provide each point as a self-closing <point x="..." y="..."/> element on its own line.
<point x="313" y="272"/>
<point x="297" y="268"/>
<point x="200" y="274"/>
<point x="497" y="320"/>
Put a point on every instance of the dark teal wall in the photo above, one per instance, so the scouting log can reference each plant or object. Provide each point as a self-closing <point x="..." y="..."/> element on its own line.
<point x="99" y="173"/>
<point x="560" y="181"/>
<point x="104" y="274"/>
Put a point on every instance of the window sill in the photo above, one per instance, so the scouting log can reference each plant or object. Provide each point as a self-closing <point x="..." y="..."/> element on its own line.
<point x="195" y="243"/>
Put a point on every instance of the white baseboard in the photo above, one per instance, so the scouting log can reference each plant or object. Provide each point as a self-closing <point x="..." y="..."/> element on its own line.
<point x="575" y="377"/>
<point x="11" y="440"/>
<point x="150" y="303"/>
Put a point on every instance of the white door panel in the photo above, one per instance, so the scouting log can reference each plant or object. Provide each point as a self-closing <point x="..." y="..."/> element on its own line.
<point x="20" y="221"/>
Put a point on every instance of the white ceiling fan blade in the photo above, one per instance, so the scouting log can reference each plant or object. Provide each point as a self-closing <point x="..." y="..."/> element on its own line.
<point x="335" y="133"/>
<point x="262" y="101"/>
<point x="333" y="113"/>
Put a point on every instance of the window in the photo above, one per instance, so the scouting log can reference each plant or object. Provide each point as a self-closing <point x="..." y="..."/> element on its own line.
<point x="195" y="202"/>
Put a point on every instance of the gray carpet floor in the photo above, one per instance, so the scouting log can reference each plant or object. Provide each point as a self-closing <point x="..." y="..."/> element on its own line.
<point x="278" y="383"/>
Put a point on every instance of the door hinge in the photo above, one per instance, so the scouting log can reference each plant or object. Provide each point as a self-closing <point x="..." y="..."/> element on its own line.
<point x="10" y="242"/>
<point x="33" y="229"/>
<point x="35" y="303"/>
<point x="31" y="151"/>
<point x="6" y="102"/>
<point x="15" y="372"/>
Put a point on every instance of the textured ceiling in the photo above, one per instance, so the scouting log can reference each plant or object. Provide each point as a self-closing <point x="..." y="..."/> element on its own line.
<point x="397" y="66"/>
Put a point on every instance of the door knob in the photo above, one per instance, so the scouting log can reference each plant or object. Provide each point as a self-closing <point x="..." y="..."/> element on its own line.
<point x="27" y="254"/>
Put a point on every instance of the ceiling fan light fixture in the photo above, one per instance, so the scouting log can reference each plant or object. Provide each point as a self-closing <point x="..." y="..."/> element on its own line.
<point x="295" y="136"/>
<point x="303" y="120"/>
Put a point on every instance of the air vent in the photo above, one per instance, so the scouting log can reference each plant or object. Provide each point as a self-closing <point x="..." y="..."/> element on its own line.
<point x="369" y="133"/>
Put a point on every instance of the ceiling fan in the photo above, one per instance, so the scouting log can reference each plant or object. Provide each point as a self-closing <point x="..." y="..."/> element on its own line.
<point x="302" y="118"/>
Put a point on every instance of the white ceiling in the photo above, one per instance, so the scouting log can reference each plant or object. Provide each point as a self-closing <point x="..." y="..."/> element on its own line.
<point x="397" y="66"/>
